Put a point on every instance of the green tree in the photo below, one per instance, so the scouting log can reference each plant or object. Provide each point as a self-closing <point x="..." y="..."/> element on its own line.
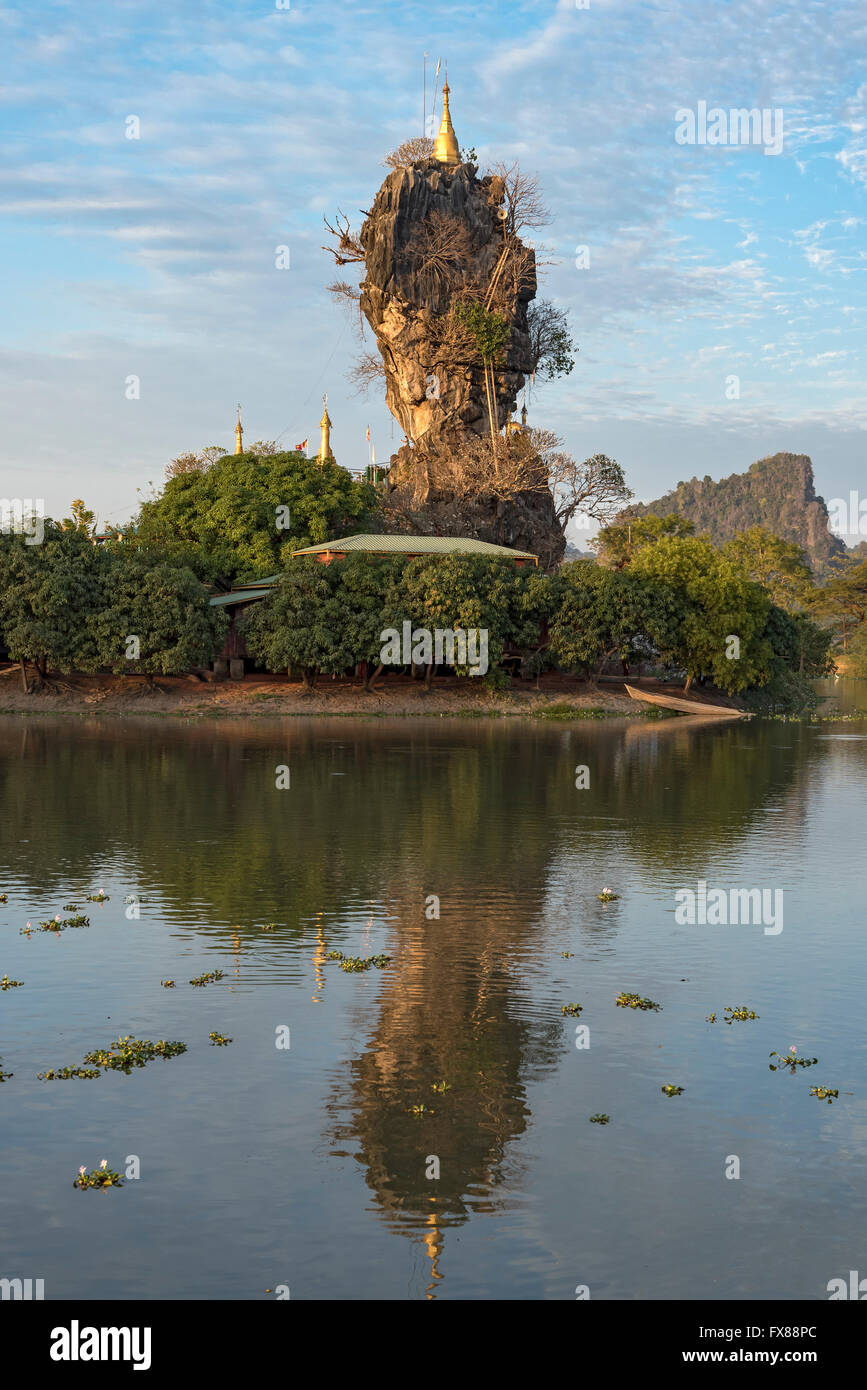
<point x="242" y="517"/>
<point x="605" y="613"/>
<point x="842" y="603"/>
<point x="617" y="544"/>
<point x="156" y="618"/>
<point x="48" y="596"/>
<point x="780" y="566"/>
<point x="721" y="615"/>
<point x="298" y="625"/>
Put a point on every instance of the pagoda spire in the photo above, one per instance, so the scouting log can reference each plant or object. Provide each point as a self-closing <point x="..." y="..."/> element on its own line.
<point x="325" y="455"/>
<point x="446" y="144"/>
<point x="239" y="435"/>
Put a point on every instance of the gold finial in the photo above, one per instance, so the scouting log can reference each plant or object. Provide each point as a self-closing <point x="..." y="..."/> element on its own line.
<point x="325" y="454"/>
<point x="239" y="435"/>
<point x="446" y="144"/>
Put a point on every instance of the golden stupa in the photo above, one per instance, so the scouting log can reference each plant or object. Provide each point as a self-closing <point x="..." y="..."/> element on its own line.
<point x="325" y="455"/>
<point x="446" y="144"/>
<point x="239" y="435"/>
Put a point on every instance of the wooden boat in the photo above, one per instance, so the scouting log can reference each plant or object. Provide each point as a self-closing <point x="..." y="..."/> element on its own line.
<point x="685" y="706"/>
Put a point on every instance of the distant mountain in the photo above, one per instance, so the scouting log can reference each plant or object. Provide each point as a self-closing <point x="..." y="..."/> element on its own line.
<point x="775" y="492"/>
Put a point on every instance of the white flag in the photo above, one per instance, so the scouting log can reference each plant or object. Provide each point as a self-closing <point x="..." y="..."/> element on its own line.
<point x="439" y="64"/>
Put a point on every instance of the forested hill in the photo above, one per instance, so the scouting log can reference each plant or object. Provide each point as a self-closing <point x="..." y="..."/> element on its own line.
<point x="776" y="492"/>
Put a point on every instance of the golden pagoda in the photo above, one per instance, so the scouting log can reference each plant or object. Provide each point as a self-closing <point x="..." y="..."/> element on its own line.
<point x="446" y="144"/>
<point x="325" y="455"/>
<point x="239" y="435"/>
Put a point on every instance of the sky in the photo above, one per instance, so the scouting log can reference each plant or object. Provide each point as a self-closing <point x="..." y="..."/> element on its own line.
<point x="719" y="303"/>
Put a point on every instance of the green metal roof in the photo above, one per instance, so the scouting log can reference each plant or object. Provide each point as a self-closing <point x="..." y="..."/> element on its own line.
<point x="415" y="545"/>
<point x="237" y="596"/>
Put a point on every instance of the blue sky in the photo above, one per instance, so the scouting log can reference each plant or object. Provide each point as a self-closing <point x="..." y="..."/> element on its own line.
<point x="155" y="257"/>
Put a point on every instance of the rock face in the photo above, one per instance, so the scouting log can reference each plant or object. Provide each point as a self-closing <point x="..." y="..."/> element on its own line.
<point x="427" y="391"/>
<point x="776" y="492"/>
<point x="434" y="239"/>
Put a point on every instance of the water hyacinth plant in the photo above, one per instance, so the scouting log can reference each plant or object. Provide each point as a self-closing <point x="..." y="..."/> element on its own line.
<point x="791" y="1061"/>
<point x="6" y="983"/>
<point x="208" y="978"/>
<point x="740" y="1014"/>
<point x="635" y="1001"/>
<point x="68" y="1074"/>
<point x="440" y="1087"/>
<point x="5" y="1075"/>
<point x="606" y="896"/>
<point x="3" y="897"/>
<point x="364" y="962"/>
<point x="599" y="1119"/>
<point x="128" y="1052"/>
<point x="59" y="923"/>
<point x="99" y="897"/>
<point x="420" y="1110"/>
<point x="572" y="1009"/>
<point x="219" y="1040"/>
<point x="824" y="1093"/>
<point x="100" y="1177"/>
<point x="672" y="1090"/>
<point x="168" y="984"/>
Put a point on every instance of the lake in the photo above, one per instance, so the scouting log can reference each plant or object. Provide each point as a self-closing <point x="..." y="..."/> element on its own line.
<point x="463" y="850"/>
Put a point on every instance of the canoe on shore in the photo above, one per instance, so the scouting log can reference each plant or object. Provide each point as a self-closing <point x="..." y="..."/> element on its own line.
<point x="684" y="705"/>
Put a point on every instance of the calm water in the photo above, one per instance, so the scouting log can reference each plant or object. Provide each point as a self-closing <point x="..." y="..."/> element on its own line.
<point x="262" y="1166"/>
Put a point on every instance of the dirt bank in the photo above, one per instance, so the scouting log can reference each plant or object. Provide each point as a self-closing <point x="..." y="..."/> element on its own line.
<point x="262" y="694"/>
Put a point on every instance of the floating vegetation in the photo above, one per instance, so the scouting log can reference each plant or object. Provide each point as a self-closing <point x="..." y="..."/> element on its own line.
<point x="599" y="1119"/>
<point x="334" y="955"/>
<point x="824" y="1093"/>
<point x="710" y="1018"/>
<point x="59" y="923"/>
<point x="791" y="1061"/>
<point x="567" y="955"/>
<point x="364" y="962"/>
<point x="129" y="1052"/>
<point x="208" y="978"/>
<point x="168" y="984"/>
<point x="672" y="1090"/>
<point x="573" y="712"/>
<point x="270" y="926"/>
<point x="219" y="1040"/>
<point x="573" y="1009"/>
<point x="103" y="1176"/>
<point x="5" y="1075"/>
<point x="70" y="907"/>
<point x="68" y="1073"/>
<point x="635" y="1001"/>
<point x="739" y="1014"/>
<point x="99" y="897"/>
<point x="440" y="1087"/>
<point x="420" y="1110"/>
<point x="606" y="896"/>
<point x="6" y="983"/>
<point x="3" y="897"/>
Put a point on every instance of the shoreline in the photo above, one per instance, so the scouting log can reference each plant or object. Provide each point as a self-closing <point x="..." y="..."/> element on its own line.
<point x="261" y="695"/>
<point x="558" y="698"/>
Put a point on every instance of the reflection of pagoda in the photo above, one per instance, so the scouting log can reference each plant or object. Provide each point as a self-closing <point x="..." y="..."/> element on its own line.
<point x="448" y="1013"/>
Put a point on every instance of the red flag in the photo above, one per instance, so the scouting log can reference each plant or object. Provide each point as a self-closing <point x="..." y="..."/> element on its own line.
<point x="368" y="434"/>
<point x="299" y="448"/>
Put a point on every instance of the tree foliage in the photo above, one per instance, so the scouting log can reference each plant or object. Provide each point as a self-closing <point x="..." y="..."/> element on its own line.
<point x="243" y="516"/>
